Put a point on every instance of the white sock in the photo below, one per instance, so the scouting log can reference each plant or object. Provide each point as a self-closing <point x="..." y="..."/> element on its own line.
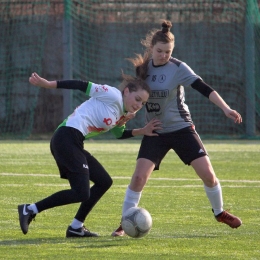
<point x="33" y="208"/>
<point x="132" y="199"/>
<point x="75" y="224"/>
<point x="215" y="197"/>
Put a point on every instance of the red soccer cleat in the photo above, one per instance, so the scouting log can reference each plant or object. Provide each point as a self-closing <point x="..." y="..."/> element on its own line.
<point x="119" y="232"/>
<point x="229" y="219"/>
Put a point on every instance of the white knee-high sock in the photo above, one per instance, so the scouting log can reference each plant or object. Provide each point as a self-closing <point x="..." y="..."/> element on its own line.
<point x="132" y="199"/>
<point x="215" y="197"/>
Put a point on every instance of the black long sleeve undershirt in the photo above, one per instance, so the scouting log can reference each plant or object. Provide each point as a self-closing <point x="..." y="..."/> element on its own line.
<point x="126" y="134"/>
<point x="73" y="84"/>
<point x="202" y="87"/>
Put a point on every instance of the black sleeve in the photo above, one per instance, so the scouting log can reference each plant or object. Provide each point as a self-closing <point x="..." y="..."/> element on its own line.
<point x="126" y="134"/>
<point x="73" y="84"/>
<point x="202" y="87"/>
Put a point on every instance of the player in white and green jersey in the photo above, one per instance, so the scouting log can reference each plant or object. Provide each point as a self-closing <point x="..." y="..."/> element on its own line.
<point x="167" y="78"/>
<point x="108" y="109"/>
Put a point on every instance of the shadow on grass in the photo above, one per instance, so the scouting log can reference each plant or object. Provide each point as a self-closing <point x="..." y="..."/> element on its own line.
<point x="91" y="242"/>
<point x="101" y="242"/>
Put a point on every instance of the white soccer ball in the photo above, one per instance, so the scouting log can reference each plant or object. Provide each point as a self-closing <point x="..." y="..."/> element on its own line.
<point x="136" y="222"/>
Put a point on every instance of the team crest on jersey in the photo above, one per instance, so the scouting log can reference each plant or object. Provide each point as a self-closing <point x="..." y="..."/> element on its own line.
<point x="162" y="78"/>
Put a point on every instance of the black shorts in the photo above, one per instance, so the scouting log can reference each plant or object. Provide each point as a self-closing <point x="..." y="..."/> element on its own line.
<point x="67" y="147"/>
<point x="185" y="142"/>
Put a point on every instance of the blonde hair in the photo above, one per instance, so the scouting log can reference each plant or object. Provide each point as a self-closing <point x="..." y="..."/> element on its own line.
<point x="164" y="35"/>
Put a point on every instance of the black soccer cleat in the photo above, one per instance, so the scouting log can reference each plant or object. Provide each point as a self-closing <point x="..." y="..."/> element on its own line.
<point x="79" y="232"/>
<point x="25" y="217"/>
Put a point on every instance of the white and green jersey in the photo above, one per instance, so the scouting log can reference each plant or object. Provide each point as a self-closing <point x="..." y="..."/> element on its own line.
<point x="99" y="114"/>
<point x="167" y="101"/>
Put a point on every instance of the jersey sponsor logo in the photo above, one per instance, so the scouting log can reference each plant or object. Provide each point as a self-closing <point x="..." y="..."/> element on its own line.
<point x="162" y="78"/>
<point x="85" y="166"/>
<point x="107" y="121"/>
<point x="152" y="107"/>
<point x="160" y="93"/>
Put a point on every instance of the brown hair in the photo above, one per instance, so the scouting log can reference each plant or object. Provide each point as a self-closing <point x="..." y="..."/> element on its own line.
<point x="133" y="84"/>
<point x="164" y="35"/>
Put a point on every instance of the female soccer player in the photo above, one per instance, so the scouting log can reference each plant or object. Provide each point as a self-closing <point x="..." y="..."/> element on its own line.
<point x="167" y="78"/>
<point x="107" y="109"/>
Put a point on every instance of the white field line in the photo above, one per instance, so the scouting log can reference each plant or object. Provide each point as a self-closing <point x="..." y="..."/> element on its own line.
<point x="128" y="178"/>
<point x="125" y="186"/>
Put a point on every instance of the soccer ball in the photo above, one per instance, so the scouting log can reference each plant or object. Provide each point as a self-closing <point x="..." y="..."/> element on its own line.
<point x="136" y="222"/>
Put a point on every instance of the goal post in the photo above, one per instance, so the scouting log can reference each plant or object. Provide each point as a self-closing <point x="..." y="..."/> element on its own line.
<point x="67" y="56"/>
<point x="252" y="18"/>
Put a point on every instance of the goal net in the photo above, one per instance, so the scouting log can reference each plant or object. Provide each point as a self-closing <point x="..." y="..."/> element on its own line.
<point x="90" y="40"/>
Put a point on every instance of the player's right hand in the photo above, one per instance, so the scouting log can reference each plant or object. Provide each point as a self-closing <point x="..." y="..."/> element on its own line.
<point x="152" y="126"/>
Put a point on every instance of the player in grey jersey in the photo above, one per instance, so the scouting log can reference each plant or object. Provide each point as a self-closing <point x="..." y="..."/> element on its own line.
<point x="167" y="78"/>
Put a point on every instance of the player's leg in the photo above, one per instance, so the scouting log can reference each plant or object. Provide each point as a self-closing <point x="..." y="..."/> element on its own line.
<point x="143" y="170"/>
<point x="191" y="150"/>
<point x="102" y="182"/>
<point x="197" y="157"/>
<point x="212" y="187"/>
<point x="67" y="150"/>
<point x="79" y="192"/>
<point x="66" y="147"/>
<point x="204" y="170"/>
<point x="152" y="151"/>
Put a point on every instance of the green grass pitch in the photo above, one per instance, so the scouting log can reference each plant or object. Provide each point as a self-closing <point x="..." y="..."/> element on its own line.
<point x="183" y="224"/>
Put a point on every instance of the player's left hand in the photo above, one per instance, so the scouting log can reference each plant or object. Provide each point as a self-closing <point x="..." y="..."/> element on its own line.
<point x="234" y="115"/>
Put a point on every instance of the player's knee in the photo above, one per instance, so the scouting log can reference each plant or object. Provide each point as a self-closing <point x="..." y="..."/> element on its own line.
<point x="103" y="185"/>
<point x="83" y="194"/>
<point x="138" y="180"/>
<point x="108" y="183"/>
<point x="210" y="180"/>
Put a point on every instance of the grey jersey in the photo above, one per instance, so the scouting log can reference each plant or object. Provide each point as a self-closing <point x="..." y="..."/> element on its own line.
<point x="167" y="101"/>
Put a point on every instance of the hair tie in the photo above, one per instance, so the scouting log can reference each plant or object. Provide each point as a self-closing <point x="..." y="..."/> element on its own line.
<point x="165" y="28"/>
